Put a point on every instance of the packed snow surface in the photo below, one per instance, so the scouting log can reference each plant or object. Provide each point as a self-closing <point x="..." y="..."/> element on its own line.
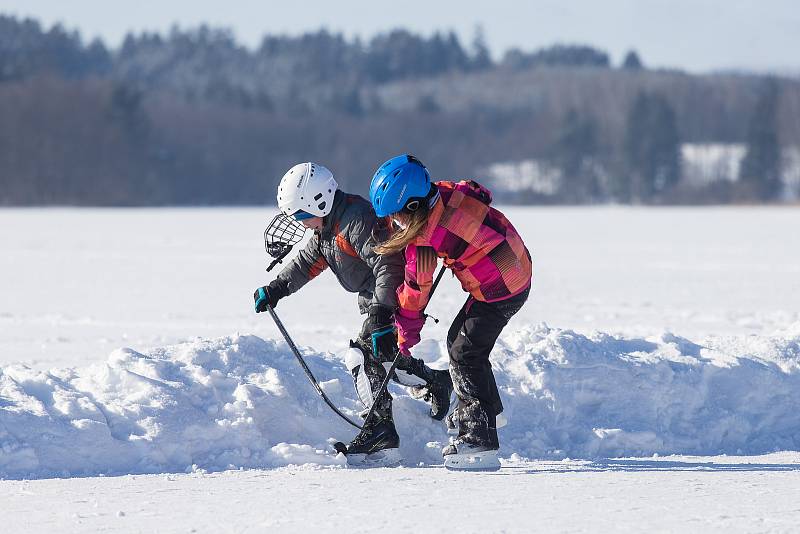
<point x="721" y="494"/>
<point x="242" y="401"/>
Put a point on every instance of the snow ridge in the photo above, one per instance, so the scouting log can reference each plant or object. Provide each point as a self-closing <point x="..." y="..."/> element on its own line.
<point x="243" y="402"/>
<point x="605" y="396"/>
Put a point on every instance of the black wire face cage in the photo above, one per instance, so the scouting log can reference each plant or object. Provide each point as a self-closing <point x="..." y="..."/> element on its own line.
<point x="282" y="234"/>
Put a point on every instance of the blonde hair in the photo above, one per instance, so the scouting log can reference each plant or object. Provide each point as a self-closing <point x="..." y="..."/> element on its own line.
<point x="401" y="238"/>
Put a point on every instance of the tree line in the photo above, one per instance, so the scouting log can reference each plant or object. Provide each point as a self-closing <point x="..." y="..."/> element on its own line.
<point x="193" y="117"/>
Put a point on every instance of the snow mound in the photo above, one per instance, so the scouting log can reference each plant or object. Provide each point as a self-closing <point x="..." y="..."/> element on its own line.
<point x="232" y="402"/>
<point x="242" y="402"/>
<point x="571" y="395"/>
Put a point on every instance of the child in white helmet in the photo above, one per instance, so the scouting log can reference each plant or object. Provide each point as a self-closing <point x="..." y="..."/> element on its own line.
<point x="346" y="231"/>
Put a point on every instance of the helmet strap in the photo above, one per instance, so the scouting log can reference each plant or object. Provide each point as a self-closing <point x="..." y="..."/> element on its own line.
<point x="414" y="203"/>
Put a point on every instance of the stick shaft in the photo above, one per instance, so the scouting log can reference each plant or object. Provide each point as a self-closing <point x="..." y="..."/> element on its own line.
<point x="390" y="372"/>
<point x="308" y="372"/>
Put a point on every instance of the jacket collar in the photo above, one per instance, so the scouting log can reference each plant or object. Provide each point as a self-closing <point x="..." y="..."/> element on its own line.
<point x="329" y="221"/>
<point x="434" y="216"/>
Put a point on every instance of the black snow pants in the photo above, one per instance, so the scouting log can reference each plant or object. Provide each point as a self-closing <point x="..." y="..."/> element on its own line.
<point x="469" y="341"/>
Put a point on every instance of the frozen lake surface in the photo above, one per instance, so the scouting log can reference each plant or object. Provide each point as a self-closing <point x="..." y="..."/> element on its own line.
<point x="705" y="495"/>
<point x="78" y="283"/>
<point x="128" y="346"/>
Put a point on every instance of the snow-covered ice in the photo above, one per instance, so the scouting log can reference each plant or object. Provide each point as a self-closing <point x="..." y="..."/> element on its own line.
<point x="76" y="284"/>
<point x="677" y="494"/>
<point x="654" y="342"/>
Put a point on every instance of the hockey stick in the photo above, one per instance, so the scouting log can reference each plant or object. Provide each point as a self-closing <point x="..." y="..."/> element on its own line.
<point x="281" y="235"/>
<point x="390" y="372"/>
<point x="303" y="364"/>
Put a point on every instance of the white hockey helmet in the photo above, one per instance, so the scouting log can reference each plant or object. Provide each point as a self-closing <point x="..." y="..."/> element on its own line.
<point x="307" y="190"/>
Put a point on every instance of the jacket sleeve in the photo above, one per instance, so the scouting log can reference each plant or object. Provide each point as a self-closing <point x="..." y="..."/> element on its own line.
<point x="414" y="292"/>
<point x="364" y="234"/>
<point x="304" y="267"/>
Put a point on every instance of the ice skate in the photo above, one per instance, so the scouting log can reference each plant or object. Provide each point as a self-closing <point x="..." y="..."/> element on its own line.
<point x="463" y="456"/>
<point x="375" y="446"/>
<point x="438" y="393"/>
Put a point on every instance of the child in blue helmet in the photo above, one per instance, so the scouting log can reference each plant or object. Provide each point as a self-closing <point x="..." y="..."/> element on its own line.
<point x="455" y="222"/>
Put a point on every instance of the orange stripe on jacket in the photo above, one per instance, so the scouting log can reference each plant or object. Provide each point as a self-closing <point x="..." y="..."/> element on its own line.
<point x="344" y="244"/>
<point x="317" y="267"/>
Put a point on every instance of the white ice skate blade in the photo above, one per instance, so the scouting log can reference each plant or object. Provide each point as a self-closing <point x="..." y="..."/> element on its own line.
<point x="475" y="461"/>
<point x="383" y="458"/>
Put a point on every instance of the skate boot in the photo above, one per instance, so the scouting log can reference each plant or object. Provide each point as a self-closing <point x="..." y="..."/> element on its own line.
<point x="376" y="445"/>
<point x="462" y="455"/>
<point x="475" y="448"/>
<point x="437" y="392"/>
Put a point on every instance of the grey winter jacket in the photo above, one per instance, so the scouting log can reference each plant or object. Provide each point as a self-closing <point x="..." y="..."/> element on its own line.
<point x="345" y="244"/>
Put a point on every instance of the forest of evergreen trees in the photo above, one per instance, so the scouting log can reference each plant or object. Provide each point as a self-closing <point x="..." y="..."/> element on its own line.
<point x="193" y="117"/>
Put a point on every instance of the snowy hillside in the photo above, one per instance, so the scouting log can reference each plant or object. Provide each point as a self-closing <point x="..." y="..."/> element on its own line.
<point x="239" y="402"/>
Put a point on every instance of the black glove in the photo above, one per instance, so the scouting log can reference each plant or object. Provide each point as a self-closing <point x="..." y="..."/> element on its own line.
<point x="379" y="333"/>
<point x="270" y="294"/>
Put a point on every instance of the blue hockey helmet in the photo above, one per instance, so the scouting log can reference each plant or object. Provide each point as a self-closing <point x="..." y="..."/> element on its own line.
<point x="400" y="184"/>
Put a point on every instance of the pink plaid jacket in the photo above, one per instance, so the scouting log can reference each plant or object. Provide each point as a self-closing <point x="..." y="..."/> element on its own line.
<point x="476" y="242"/>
